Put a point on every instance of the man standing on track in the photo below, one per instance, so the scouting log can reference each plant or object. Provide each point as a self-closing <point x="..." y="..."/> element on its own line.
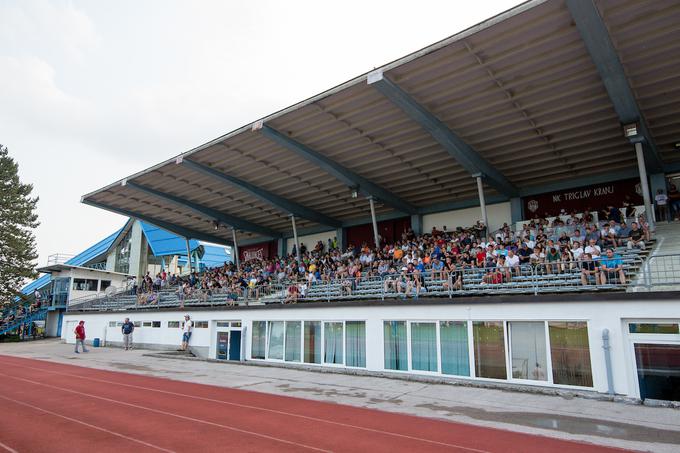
<point x="80" y="336"/>
<point x="186" y="332"/>
<point x="127" y="328"/>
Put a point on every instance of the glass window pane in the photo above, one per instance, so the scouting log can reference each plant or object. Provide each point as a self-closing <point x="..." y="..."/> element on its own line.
<point x="528" y="352"/>
<point x="489" y="344"/>
<point x="333" y="342"/>
<point x="312" y="342"/>
<point x="396" y="354"/>
<point x="658" y="368"/>
<point x="259" y="339"/>
<point x="638" y="327"/>
<point x="275" y="334"/>
<point x="454" y="347"/>
<point x="424" y="346"/>
<point x="570" y="353"/>
<point x="293" y="340"/>
<point x="355" y="343"/>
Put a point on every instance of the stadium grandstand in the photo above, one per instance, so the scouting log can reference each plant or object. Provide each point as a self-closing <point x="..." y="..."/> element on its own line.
<point x="497" y="206"/>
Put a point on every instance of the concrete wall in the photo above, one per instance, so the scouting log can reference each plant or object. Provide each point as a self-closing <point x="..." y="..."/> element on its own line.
<point x="498" y="215"/>
<point x="612" y="315"/>
<point x="311" y="240"/>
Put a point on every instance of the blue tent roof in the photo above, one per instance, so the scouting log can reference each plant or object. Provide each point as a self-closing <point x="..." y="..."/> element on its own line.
<point x="80" y="259"/>
<point x="36" y="284"/>
<point x="214" y="256"/>
<point x="164" y="243"/>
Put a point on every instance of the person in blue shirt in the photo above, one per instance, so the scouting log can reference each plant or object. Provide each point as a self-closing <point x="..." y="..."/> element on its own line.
<point x="611" y="266"/>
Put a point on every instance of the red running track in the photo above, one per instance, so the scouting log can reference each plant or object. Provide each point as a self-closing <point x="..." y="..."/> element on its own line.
<point x="54" y="407"/>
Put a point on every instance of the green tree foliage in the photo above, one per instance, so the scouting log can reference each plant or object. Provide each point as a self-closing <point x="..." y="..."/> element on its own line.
<point x="17" y="222"/>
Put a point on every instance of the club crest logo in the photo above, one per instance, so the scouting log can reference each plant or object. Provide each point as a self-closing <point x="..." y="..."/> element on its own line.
<point x="532" y="205"/>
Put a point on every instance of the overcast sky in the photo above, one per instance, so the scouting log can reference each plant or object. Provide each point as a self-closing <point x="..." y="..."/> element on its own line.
<point x="93" y="91"/>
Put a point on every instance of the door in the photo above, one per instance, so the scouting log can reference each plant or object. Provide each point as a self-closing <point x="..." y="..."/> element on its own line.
<point x="235" y="345"/>
<point x="70" y="336"/>
<point x="222" y="345"/>
<point x="658" y="369"/>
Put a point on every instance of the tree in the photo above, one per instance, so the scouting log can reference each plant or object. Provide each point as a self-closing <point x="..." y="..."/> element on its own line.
<point x="17" y="222"/>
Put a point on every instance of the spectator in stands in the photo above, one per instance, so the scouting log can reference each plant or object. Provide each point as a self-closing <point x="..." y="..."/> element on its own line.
<point x="512" y="264"/>
<point x="636" y="238"/>
<point x="552" y="259"/>
<point x="661" y="200"/>
<point x="611" y="267"/>
<point x="592" y="248"/>
<point x="674" y="202"/>
<point x="589" y="269"/>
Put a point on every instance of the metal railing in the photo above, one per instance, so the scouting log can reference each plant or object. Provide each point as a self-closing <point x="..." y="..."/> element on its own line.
<point x="657" y="273"/>
<point x="58" y="258"/>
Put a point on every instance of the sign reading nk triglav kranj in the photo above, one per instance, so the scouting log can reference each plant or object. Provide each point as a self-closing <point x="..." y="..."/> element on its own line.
<point x="594" y="198"/>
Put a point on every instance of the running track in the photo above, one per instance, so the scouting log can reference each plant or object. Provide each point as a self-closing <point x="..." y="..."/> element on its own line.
<point x="63" y="408"/>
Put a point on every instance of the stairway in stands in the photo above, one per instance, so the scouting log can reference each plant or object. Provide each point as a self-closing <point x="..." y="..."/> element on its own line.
<point x="26" y="320"/>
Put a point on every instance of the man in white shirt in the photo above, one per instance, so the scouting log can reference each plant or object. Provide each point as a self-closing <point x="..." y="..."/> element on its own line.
<point x="186" y="332"/>
<point x="593" y="249"/>
<point x="512" y="262"/>
<point x="661" y="205"/>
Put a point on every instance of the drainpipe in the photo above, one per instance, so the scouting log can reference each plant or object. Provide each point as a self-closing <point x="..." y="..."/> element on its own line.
<point x="608" y="361"/>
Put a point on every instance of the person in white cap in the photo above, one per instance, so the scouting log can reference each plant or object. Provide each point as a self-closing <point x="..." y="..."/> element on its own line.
<point x="186" y="332"/>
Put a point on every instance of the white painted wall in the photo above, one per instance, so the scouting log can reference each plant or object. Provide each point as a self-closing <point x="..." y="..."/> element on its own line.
<point x="498" y="215"/>
<point x="611" y="315"/>
<point x="311" y="240"/>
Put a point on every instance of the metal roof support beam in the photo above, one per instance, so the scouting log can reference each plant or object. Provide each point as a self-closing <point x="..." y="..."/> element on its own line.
<point x="167" y="226"/>
<point x="224" y="219"/>
<point x="283" y="204"/>
<point x="463" y="153"/>
<point x="345" y="175"/>
<point x="594" y="35"/>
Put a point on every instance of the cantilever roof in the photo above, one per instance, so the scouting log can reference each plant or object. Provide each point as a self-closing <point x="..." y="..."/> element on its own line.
<point x="523" y="92"/>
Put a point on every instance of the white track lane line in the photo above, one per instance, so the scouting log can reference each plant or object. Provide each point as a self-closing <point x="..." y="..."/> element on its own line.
<point x="157" y="411"/>
<point x="8" y="448"/>
<point x="247" y="406"/>
<point x="89" y="425"/>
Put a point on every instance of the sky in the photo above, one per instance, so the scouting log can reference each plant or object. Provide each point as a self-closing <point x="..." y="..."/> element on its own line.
<point x="93" y="91"/>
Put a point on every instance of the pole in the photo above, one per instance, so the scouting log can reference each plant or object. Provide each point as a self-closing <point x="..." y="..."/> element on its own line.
<point x="376" y="237"/>
<point x="295" y="237"/>
<point x="482" y="202"/>
<point x="188" y="256"/>
<point x="608" y="361"/>
<point x="649" y="210"/>
<point x="237" y="259"/>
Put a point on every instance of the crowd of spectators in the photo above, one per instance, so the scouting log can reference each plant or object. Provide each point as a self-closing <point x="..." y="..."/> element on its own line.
<point x="572" y="243"/>
<point x="19" y="310"/>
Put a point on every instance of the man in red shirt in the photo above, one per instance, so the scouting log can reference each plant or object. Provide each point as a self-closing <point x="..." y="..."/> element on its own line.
<point x="80" y="336"/>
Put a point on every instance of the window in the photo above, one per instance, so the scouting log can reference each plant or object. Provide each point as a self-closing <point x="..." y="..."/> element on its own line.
<point x="333" y="342"/>
<point x="275" y="340"/>
<point x="112" y="323"/>
<point x="222" y="323"/>
<point x="137" y="323"/>
<point x="259" y="339"/>
<point x="156" y="324"/>
<point x="236" y="324"/>
<point x="570" y="353"/>
<point x="146" y="324"/>
<point x="454" y="348"/>
<point x="85" y="284"/>
<point x="173" y="324"/>
<point x="293" y="340"/>
<point x="103" y="284"/>
<point x="528" y="352"/>
<point x="312" y="344"/>
<point x="200" y="324"/>
<point x="355" y="343"/>
<point x="489" y="346"/>
<point x="635" y="327"/>
<point x="424" y="346"/>
<point x="395" y="345"/>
